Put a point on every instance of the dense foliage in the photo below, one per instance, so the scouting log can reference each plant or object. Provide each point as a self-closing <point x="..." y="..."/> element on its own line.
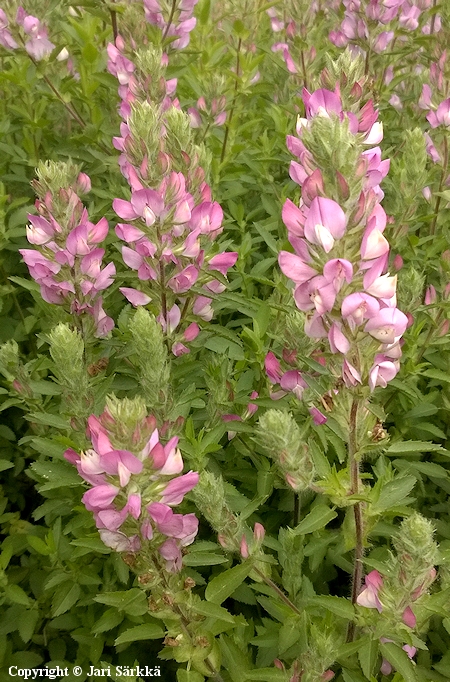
<point x="224" y="340"/>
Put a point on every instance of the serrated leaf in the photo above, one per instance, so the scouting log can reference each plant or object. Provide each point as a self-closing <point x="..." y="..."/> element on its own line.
<point x="368" y="655"/>
<point x="393" y="493"/>
<point x="16" y="595"/>
<point x="146" y="631"/>
<point x="131" y="601"/>
<point x="266" y="675"/>
<point x="407" y="446"/>
<point x="224" y="584"/>
<point x="338" y="605"/>
<point x="39" y="545"/>
<point x="289" y="633"/>
<point x="110" y="619"/>
<point x="63" y="600"/>
<point x="204" y="559"/>
<point x="319" y="517"/>
<point x="189" y="676"/>
<point x="399" y="660"/>
<point x="211" y="610"/>
<point x="27" y="624"/>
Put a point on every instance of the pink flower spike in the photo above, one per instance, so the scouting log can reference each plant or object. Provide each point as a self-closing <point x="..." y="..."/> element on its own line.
<point x="176" y="489"/>
<point x="134" y="296"/>
<point x="318" y="417"/>
<point x="338" y="341"/>
<point x="223" y="261"/>
<point x="430" y="295"/>
<point x="387" y="325"/>
<point x="325" y="222"/>
<point x="273" y="368"/>
<point x="99" y="497"/>
<point x="293" y="218"/>
<point x="369" y="595"/>
<point x="191" y="332"/>
<point x="383" y="371"/>
<point x="295" y="268"/>
<point x="409" y="618"/>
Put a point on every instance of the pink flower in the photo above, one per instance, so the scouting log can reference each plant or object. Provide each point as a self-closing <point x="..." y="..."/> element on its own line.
<point x="177" y="488"/>
<point x="273" y="368"/>
<point x="325" y="222"/>
<point x="387" y="325"/>
<point x="383" y="371"/>
<point x="369" y="595"/>
<point x="223" y="261"/>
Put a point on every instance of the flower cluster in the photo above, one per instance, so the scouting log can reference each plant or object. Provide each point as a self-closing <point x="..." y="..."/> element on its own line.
<point x="411" y="573"/>
<point x="293" y="31"/>
<point x="36" y="40"/>
<point x="340" y="253"/>
<point x="174" y="18"/>
<point x="67" y="260"/>
<point x="366" y="20"/>
<point x="135" y="481"/>
<point x="171" y="220"/>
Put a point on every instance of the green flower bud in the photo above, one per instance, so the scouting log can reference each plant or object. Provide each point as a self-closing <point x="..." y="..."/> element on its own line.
<point x="54" y="175"/>
<point x="9" y="360"/>
<point x="127" y="422"/>
<point x="410" y="288"/>
<point x="150" y="71"/>
<point x="415" y="545"/>
<point x="334" y="148"/>
<point x="67" y="352"/>
<point x="145" y="126"/>
<point x="291" y="559"/>
<point x="151" y="357"/>
<point x="279" y="434"/>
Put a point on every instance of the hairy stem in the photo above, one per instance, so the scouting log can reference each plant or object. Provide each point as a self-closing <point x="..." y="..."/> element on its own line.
<point x="357" y="510"/>
<point x="233" y="103"/>
<point x="279" y="592"/>
<point x="441" y="185"/>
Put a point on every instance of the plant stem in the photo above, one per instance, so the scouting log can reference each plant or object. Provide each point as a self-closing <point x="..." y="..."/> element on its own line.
<point x="357" y="510"/>
<point x="279" y="592"/>
<point x="233" y="103"/>
<point x="441" y="184"/>
<point x="172" y="12"/>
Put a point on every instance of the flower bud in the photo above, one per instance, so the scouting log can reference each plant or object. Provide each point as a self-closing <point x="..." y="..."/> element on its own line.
<point x="279" y="434"/>
<point x="151" y="357"/>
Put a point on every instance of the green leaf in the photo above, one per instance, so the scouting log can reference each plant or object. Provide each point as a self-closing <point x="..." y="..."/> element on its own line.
<point x="4" y="464"/>
<point x="146" y="631"/>
<point x="131" y="601"/>
<point x="39" y="545"/>
<point x="189" y="676"/>
<point x="393" y="493"/>
<point x="399" y="660"/>
<point x="64" y="600"/>
<point x="289" y="633"/>
<point x="235" y="661"/>
<point x="27" y="624"/>
<point x="16" y="595"/>
<point x="110" y="619"/>
<point x="211" y="610"/>
<point x="368" y="655"/>
<point x="316" y="519"/>
<point x="224" y="584"/>
<point x="407" y="446"/>
<point x="266" y="675"/>
<point x="203" y="559"/>
<point x="338" y="605"/>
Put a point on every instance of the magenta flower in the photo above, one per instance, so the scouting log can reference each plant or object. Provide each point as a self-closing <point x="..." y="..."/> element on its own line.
<point x="387" y="325"/>
<point x="441" y="116"/>
<point x="369" y="596"/>
<point x="325" y="222"/>
<point x="6" y="38"/>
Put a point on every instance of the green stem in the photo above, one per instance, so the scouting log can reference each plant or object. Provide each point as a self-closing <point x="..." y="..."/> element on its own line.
<point x="279" y="592"/>
<point x="233" y="103"/>
<point x="172" y="12"/>
<point x="441" y="184"/>
<point x="357" y="510"/>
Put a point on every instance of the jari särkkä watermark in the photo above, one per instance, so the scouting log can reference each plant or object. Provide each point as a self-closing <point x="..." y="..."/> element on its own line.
<point x="59" y="673"/>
